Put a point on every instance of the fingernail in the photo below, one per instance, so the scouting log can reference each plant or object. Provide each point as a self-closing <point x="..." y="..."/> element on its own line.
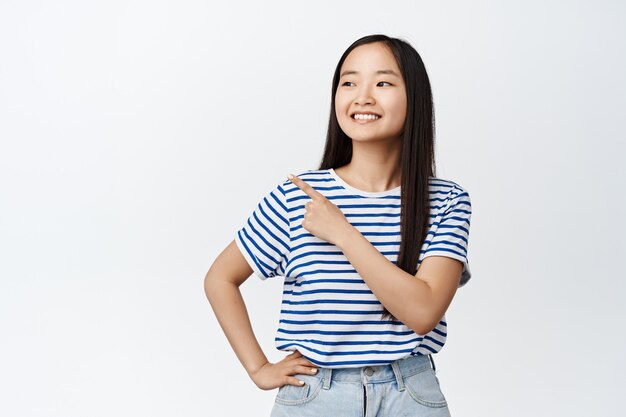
<point x="314" y="370"/>
<point x="290" y="176"/>
<point x="301" y="382"/>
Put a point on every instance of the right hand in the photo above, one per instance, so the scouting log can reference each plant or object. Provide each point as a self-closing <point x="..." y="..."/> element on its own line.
<point x="275" y="375"/>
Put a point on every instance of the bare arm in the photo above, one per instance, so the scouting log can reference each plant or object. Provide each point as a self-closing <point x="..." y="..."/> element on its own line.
<point x="221" y="286"/>
<point x="417" y="300"/>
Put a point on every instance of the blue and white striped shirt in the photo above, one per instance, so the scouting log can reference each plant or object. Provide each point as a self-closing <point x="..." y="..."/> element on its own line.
<point x="328" y="313"/>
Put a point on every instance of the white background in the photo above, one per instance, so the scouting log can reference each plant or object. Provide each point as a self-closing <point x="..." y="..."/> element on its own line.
<point x="137" y="136"/>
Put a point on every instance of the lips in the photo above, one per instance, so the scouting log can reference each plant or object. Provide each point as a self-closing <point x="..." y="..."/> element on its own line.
<point x="364" y="112"/>
<point x="364" y="121"/>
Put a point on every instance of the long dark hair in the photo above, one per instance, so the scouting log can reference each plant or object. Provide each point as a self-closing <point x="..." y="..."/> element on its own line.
<point x="417" y="159"/>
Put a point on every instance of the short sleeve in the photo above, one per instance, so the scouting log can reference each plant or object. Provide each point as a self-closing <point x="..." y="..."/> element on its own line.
<point x="264" y="239"/>
<point x="452" y="234"/>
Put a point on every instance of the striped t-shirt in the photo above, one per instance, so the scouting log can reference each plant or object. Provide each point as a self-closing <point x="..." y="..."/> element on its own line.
<point x="328" y="313"/>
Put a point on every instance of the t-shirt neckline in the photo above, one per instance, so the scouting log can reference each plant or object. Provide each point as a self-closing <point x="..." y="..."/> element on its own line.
<point x="393" y="191"/>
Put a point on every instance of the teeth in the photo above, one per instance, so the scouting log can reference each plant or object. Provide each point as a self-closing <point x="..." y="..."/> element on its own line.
<point x="366" y="116"/>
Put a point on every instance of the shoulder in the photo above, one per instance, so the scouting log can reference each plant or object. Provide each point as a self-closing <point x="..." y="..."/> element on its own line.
<point x="451" y="188"/>
<point x="311" y="173"/>
<point x="283" y="183"/>
<point x="449" y="194"/>
<point x="311" y="176"/>
<point x="314" y="177"/>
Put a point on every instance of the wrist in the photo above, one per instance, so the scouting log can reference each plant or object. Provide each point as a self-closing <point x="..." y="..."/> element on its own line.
<point x="253" y="371"/>
<point x="346" y="236"/>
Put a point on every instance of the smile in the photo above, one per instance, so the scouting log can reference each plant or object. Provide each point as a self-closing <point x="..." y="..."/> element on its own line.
<point x="363" y="119"/>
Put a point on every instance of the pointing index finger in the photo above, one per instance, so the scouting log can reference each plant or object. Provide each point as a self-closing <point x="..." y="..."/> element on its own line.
<point x="308" y="190"/>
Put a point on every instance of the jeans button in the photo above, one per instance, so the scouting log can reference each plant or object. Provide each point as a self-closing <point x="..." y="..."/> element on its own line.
<point x="369" y="371"/>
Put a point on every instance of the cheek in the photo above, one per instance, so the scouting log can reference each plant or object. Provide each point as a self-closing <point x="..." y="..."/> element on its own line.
<point x="340" y="104"/>
<point x="399" y="112"/>
<point x="341" y="110"/>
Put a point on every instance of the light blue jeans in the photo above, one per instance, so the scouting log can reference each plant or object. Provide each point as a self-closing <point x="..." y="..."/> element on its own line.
<point x="406" y="387"/>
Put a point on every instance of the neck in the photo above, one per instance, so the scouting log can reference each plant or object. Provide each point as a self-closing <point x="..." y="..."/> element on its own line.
<point x="372" y="168"/>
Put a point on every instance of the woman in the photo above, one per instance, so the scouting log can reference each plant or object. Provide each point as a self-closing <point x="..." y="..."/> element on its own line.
<point x="371" y="244"/>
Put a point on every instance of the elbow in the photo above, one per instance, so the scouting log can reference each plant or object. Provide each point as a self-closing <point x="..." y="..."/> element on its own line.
<point x="208" y="284"/>
<point x="423" y="327"/>
<point x="421" y="331"/>
<point x="215" y="283"/>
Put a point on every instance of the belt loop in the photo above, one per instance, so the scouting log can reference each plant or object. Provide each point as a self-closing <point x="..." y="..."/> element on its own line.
<point x="328" y="372"/>
<point x="432" y="362"/>
<point x="398" y="373"/>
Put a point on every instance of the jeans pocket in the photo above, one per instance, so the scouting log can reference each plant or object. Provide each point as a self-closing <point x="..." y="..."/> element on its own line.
<point x="295" y="395"/>
<point x="423" y="387"/>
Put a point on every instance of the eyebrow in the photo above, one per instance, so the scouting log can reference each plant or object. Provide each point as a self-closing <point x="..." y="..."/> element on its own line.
<point x="388" y="71"/>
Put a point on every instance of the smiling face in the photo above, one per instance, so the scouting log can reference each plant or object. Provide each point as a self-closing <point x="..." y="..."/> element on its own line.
<point x="371" y="83"/>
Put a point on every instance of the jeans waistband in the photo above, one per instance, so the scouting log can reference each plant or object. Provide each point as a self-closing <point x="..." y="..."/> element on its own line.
<point x="396" y="370"/>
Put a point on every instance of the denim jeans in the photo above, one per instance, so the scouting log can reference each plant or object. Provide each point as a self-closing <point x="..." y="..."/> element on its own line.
<point x="406" y="387"/>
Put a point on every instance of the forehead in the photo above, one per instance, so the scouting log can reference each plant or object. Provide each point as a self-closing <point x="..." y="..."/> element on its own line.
<point x="370" y="58"/>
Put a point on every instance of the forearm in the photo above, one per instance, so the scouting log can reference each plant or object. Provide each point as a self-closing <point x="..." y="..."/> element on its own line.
<point x="229" y="308"/>
<point x="403" y="294"/>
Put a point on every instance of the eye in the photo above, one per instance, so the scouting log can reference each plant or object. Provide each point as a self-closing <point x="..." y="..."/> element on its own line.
<point x="385" y="82"/>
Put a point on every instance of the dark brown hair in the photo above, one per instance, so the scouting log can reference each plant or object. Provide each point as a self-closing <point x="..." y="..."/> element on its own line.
<point x="417" y="159"/>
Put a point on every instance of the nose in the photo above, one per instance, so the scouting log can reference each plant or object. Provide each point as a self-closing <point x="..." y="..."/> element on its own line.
<point x="364" y="96"/>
